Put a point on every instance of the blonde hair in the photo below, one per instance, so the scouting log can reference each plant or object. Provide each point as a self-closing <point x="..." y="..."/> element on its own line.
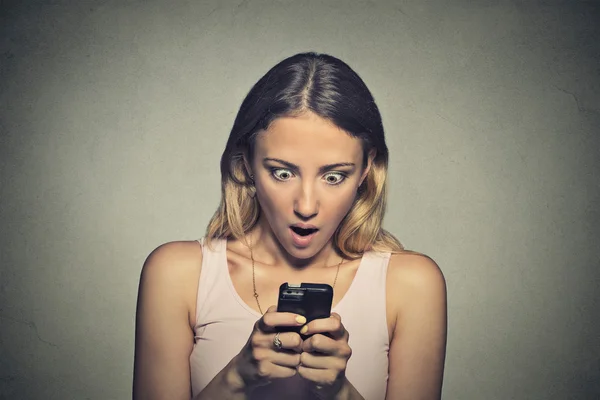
<point x="329" y="88"/>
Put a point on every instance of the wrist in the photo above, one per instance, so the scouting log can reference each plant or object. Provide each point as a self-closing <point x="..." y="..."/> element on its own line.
<point x="343" y="392"/>
<point x="347" y="392"/>
<point x="232" y="377"/>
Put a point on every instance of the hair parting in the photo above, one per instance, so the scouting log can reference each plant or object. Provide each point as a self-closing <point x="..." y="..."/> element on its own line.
<point x="329" y="88"/>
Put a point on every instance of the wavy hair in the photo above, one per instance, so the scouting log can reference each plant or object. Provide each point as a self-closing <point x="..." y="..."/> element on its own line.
<point x="329" y="88"/>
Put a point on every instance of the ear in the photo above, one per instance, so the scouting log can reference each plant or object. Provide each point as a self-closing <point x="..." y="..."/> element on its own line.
<point x="370" y="158"/>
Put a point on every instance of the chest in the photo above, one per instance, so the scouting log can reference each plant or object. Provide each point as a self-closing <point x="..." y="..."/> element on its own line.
<point x="225" y="325"/>
<point x="258" y="287"/>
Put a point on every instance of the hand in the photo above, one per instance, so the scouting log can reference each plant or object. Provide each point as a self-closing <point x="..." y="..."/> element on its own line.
<point x="325" y="355"/>
<point x="260" y="361"/>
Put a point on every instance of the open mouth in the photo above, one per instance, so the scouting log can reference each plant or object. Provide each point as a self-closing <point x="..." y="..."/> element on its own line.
<point x="303" y="231"/>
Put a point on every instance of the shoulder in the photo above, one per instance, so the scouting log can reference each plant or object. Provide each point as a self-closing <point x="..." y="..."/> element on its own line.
<point x="415" y="285"/>
<point x="415" y="272"/>
<point x="171" y="273"/>
<point x="173" y="259"/>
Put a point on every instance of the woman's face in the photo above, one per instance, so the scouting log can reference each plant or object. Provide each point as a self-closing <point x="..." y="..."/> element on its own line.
<point x="307" y="172"/>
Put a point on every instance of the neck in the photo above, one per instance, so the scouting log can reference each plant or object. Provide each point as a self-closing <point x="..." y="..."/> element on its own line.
<point x="266" y="249"/>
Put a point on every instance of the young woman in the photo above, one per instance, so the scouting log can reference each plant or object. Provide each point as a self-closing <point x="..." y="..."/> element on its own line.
<point x="303" y="198"/>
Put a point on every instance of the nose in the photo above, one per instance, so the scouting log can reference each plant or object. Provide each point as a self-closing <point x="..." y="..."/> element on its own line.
<point x="306" y="204"/>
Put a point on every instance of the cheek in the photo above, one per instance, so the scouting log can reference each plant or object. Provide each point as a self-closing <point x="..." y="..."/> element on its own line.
<point x="338" y="202"/>
<point x="272" y="199"/>
<point x="343" y="202"/>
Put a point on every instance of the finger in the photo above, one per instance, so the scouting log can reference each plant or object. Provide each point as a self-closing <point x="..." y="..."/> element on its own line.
<point x="340" y="330"/>
<point x="281" y="358"/>
<point x="322" y="361"/>
<point x="261" y="323"/>
<point x="325" y="377"/>
<point x="273" y="319"/>
<point x="290" y="341"/>
<point x="332" y="326"/>
<point x="268" y="370"/>
<point x="284" y="359"/>
<point x="319" y="343"/>
<point x="272" y="309"/>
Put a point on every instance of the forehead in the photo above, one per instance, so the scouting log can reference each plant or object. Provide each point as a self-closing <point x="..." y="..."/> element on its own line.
<point x="307" y="136"/>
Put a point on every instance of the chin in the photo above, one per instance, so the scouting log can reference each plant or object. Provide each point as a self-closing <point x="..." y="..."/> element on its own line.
<point x="302" y="252"/>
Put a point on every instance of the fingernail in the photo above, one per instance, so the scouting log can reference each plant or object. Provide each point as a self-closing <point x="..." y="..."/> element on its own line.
<point x="300" y="319"/>
<point x="304" y="329"/>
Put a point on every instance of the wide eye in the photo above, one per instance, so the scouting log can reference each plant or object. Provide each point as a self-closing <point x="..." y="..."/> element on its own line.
<point x="282" y="174"/>
<point x="334" y="178"/>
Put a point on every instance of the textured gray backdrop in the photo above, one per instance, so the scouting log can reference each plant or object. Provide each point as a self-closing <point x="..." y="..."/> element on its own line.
<point x="113" y="115"/>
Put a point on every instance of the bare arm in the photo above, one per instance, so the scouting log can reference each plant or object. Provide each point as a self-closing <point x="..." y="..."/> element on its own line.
<point x="417" y="304"/>
<point x="163" y="336"/>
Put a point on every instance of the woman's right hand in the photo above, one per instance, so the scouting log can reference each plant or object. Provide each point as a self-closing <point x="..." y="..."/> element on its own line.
<point x="260" y="360"/>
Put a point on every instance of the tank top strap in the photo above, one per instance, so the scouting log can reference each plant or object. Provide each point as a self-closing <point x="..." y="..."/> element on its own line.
<point x="372" y="274"/>
<point x="214" y="265"/>
<point x="366" y="298"/>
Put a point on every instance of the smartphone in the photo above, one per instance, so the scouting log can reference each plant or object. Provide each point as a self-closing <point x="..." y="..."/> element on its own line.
<point x="312" y="300"/>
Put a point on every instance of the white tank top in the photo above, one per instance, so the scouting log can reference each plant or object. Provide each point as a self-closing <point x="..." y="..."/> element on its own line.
<point x="224" y="323"/>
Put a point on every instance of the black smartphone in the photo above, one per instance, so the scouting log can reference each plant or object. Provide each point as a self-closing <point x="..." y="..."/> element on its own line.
<point x="312" y="300"/>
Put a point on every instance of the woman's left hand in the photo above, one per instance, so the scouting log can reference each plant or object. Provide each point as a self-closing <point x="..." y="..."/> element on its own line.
<point x="325" y="355"/>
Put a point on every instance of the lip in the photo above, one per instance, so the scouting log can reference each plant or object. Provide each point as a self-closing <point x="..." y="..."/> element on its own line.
<point x="302" y="241"/>
<point x="304" y="226"/>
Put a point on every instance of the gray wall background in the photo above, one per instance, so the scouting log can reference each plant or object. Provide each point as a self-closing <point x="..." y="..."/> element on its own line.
<point x="113" y="116"/>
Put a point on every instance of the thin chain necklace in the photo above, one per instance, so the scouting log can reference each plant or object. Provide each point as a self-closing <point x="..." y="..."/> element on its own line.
<point x="254" y="278"/>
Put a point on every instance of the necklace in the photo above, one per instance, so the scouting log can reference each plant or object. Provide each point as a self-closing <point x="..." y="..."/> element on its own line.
<point x="254" y="279"/>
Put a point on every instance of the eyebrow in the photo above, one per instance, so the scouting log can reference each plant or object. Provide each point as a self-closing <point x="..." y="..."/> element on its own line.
<point x="294" y="167"/>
